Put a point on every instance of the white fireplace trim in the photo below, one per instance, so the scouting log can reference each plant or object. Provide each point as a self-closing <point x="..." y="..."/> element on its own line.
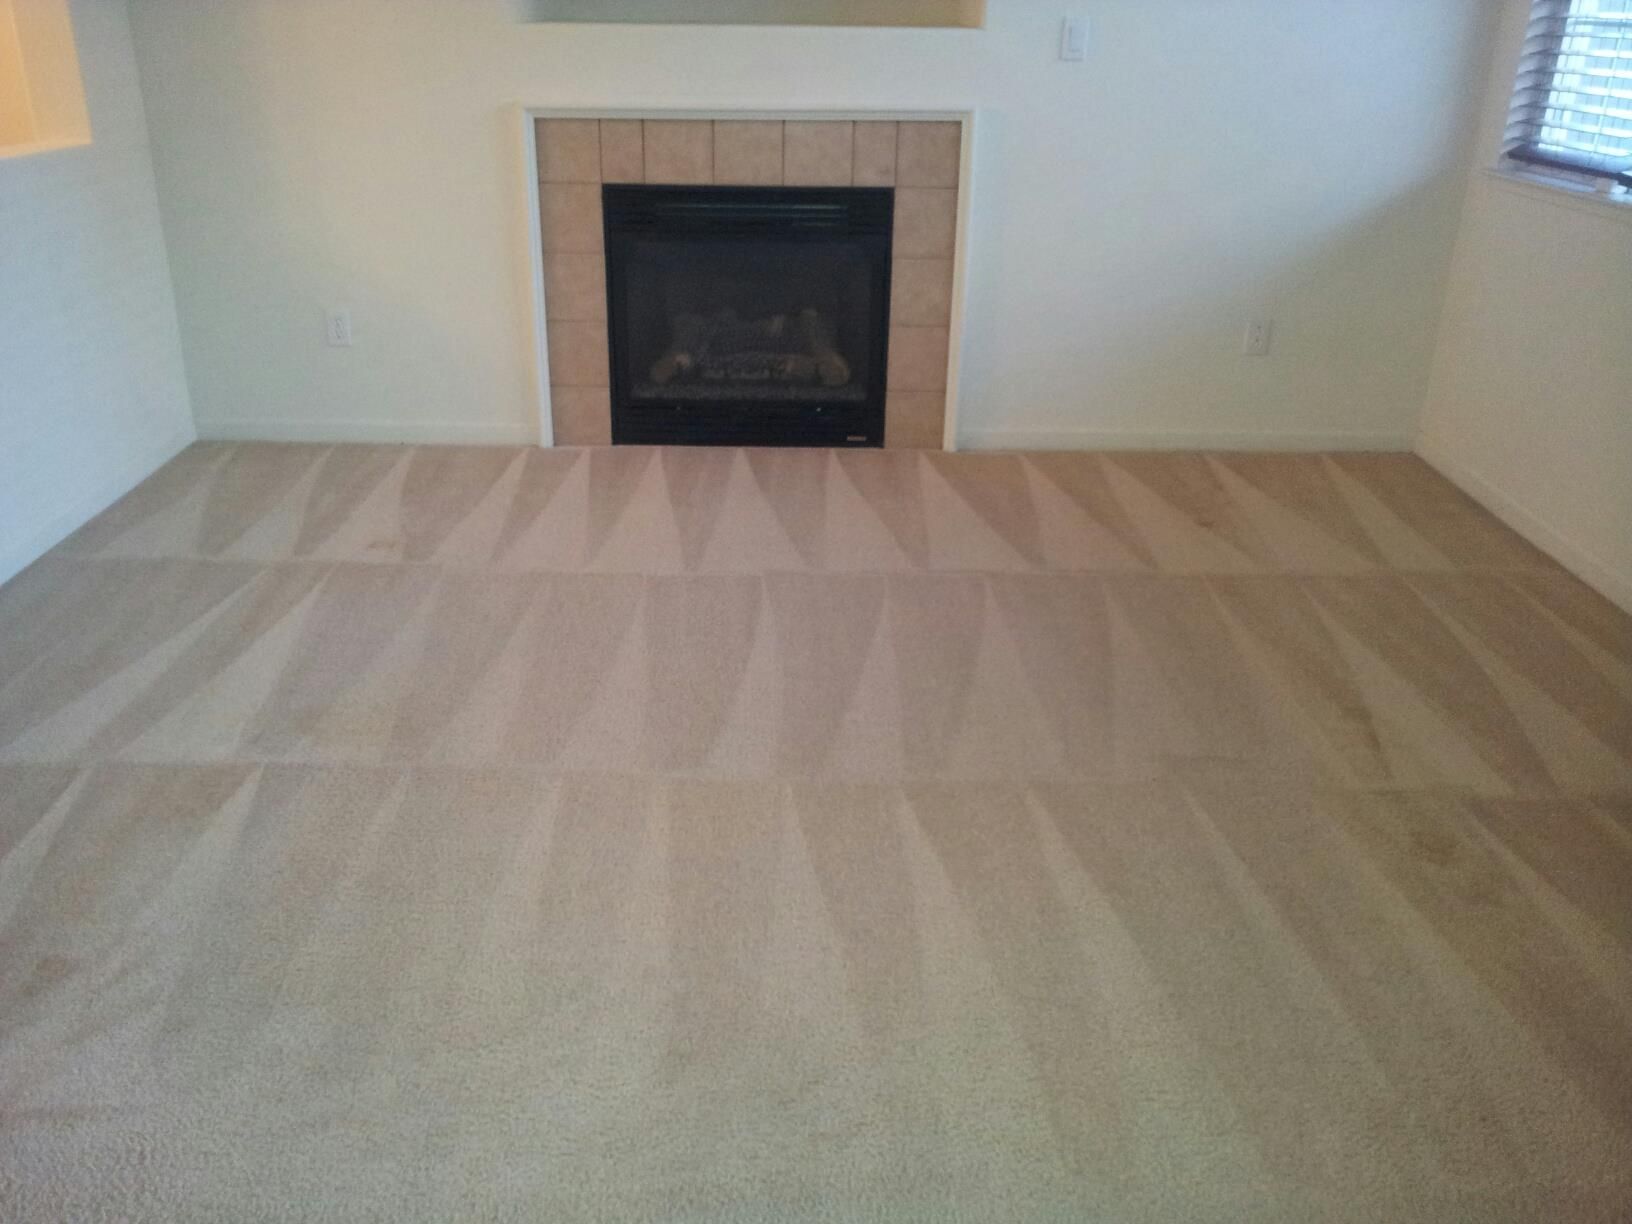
<point x="524" y="117"/>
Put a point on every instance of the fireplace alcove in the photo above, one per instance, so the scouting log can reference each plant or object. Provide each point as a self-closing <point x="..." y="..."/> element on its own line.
<point x="748" y="316"/>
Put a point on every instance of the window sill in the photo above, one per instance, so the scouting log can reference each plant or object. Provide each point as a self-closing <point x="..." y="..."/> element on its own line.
<point x="1563" y="193"/>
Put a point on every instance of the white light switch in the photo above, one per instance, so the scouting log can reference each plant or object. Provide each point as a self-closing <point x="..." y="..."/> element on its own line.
<point x="1074" y="39"/>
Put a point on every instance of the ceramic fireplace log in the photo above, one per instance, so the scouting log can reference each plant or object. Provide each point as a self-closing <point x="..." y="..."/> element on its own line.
<point x="818" y="336"/>
<point x="722" y="347"/>
<point x="690" y="335"/>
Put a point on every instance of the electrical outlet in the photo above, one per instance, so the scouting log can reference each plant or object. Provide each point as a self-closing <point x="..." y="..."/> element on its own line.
<point x="1260" y="338"/>
<point x="339" y="328"/>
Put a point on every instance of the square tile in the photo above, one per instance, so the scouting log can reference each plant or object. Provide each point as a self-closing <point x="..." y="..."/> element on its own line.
<point x="926" y="222"/>
<point x="571" y="217"/>
<point x="575" y="286"/>
<point x="679" y="151"/>
<point x="747" y="153"/>
<point x="918" y="359"/>
<point x="818" y="154"/>
<point x="921" y="292"/>
<point x="578" y="354"/>
<point x="623" y="151"/>
<point x="929" y="154"/>
<point x="581" y="416"/>
<point x="915" y="420"/>
<point x="569" y="150"/>
<point x="875" y="155"/>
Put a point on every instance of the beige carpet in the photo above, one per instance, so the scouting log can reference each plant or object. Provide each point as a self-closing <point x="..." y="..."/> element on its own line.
<point x="443" y="834"/>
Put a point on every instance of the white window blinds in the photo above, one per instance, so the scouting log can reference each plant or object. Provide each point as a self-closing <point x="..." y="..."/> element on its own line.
<point x="1572" y="107"/>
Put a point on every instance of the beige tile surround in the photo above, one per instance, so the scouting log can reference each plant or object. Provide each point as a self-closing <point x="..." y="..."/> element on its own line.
<point x="919" y="158"/>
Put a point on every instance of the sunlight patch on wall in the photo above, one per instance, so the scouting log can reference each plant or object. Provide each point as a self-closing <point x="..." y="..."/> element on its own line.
<point x="42" y="98"/>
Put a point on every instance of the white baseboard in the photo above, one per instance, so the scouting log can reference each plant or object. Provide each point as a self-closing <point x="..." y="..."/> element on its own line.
<point x="1591" y="569"/>
<point x="413" y="433"/>
<point x="1170" y="440"/>
<point x="20" y="555"/>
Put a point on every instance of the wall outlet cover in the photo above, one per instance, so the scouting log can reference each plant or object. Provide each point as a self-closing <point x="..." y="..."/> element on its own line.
<point x="339" y="329"/>
<point x="1260" y="338"/>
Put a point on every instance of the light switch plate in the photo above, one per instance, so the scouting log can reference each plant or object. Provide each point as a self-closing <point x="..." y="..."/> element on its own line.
<point x="1074" y="39"/>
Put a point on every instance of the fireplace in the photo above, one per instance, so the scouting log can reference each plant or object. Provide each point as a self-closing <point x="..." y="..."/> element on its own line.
<point x="748" y="316"/>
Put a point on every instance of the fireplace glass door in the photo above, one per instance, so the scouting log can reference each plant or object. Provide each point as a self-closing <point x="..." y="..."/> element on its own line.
<point x="748" y="316"/>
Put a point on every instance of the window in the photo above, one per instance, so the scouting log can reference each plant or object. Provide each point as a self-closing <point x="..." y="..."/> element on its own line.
<point x="1572" y="106"/>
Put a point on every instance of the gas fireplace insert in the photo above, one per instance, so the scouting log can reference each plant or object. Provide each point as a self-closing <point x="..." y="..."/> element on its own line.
<point x="748" y="316"/>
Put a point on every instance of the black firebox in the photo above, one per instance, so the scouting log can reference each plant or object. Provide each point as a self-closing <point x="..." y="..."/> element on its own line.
<point x="748" y="316"/>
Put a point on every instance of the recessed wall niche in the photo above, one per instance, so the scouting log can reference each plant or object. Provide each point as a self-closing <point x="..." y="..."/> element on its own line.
<point x="922" y="14"/>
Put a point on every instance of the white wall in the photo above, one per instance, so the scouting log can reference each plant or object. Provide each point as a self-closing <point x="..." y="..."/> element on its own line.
<point x="93" y="396"/>
<point x="1214" y="159"/>
<point x="1530" y="404"/>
